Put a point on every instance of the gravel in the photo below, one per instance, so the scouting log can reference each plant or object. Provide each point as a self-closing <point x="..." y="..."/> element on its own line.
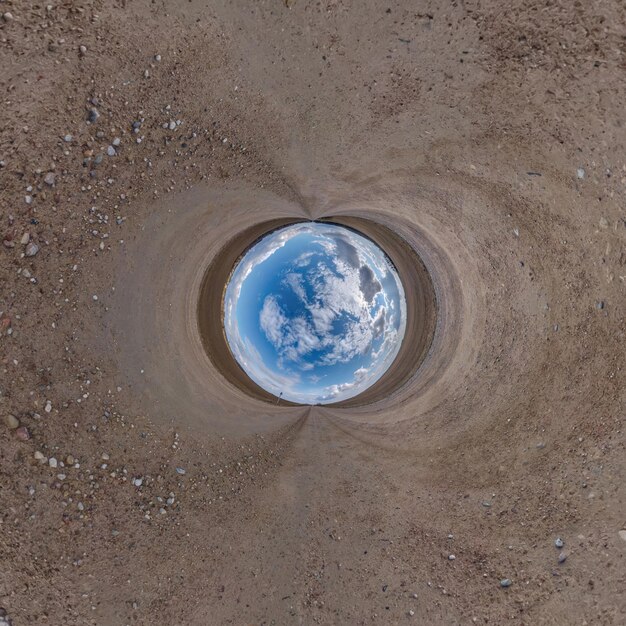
<point x="505" y="582"/>
<point x="11" y="421"/>
<point x="559" y="543"/>
<point x="31" y="249"/>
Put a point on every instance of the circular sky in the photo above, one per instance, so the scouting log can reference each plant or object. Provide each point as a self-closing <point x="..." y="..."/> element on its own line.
<point x="314" y="313"/>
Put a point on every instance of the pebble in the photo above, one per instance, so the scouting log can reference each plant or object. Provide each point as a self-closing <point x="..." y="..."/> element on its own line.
<point x="25" y="239"/>
<point x="22" y="433"/>
<point x="48" y="406"/>
<point x="172" y="125"/>
<point x="622" y="535"/>
<point x="28" y="199"/>
<point x="93" y="116"/>
<point x="451" y="557"/>
<point x="157" y="58"/>
<point x="49" y="179"/>
<point x="111" y="151"/>
<point x="411" y="612"/>
<point x="11" y="421"/>
<point x="562" y="557"/>
<point x="116" y="142"/>
<point x="82" y="50"/>
<point x="180" y="470"/>
<point x="559" y="543"/>
<point x="52" y="462"/>
<point x="580" y="173"/>
<point x="505" y="582"/>
<point x="39" y="456"/>
<point x="137" y="482"/>
<point x="600" y="305"/>
<point x="7" y="17"/>
<point x="31" y="249"/>
<point x="67" y="138"/>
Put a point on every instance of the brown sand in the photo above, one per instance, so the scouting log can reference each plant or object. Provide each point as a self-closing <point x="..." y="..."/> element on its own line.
<point x="462" y="127"/>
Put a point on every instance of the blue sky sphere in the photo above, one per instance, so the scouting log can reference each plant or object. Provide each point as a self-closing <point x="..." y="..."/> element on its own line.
<point x="314" y="312"/>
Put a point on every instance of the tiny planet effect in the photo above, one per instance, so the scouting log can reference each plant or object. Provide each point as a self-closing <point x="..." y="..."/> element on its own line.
<point x="314" y="313"/>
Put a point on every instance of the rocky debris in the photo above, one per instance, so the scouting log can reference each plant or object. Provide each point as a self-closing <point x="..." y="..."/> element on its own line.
<point x="25" y="239"/>
<point x="40" y="456"/>
<point x="93" y="116"/>
<point x="68" y="138"/>
<point x="505" y="582"/>
<point x="31" y="249"/>
<point x="52" y="462"/>
<point x="580" y="173"/>
<point x="562" y="557"/>
<point x="11" y="421"/>
<point x="451" y="557"/>
<point x="138" y="481"/>
<point x="622" y="535"/>
<point x="8" y="16"/>
<point x="48" y="407"/>
<point x="111" y="151"/>
<point x="180" y="470"/>
<point x="559" y="543"/>
<point x="22" y="433"/>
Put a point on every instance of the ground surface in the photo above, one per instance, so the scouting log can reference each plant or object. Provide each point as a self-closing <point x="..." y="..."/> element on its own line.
<point x="490" y="132"/>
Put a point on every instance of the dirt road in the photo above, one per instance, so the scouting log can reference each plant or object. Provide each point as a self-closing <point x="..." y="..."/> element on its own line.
<point x="139" y="485"/>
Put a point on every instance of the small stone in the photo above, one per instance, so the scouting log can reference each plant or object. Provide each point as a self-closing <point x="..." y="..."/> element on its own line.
<point x="580" y="173"/>
<point x="22" y="433"/>
<point x="52" y="462"/>
<point x="146" y="74"/>
<point x="93" y="116"/>
<point x="411" y="612"/>
<point x="25" y="239"/>
<point x="28" y="199"/>
<point x="137" y="482"/>
<point x="49" y="179"/>
<point x="451" y="557"/>
<point x="562" y="557"/>
<point x="39" y="456"/>
<point x="68" y="138"/>
<point x="604" y="223"/>
<point x="80" y="506"/>
<point x="82" y="50"/>
<point x="157" y="58"/>
<point x="180" y="470"/>
<point x="31" y="249"/>
<point x="105" y="456"/>
<point x="69" y="460"/>
<point x="116" y="142"/>
<point x="559" y="543"/>
<point x="505" y="582"/>
<point x="7" y="17"/>
<point x="11" y="421"/>
<point x="541" y="445"/>
<point x="111" y="151"/>
<point x="622" y="535"/>
<point x="48" y="406"/>
<point x="600" y="305"/>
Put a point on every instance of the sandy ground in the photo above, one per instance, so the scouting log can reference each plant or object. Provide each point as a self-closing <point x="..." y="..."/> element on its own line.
<point x="138" y="485"/>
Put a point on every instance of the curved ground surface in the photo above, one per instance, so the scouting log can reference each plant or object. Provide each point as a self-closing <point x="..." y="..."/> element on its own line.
<point x="143" y="486"/>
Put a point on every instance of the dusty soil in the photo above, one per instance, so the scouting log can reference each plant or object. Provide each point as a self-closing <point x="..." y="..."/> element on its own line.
<point x="141" y="486"/>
